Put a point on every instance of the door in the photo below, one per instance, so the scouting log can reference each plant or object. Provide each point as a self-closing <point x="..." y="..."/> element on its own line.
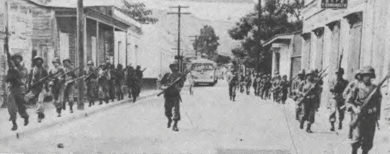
<point x="355" y="49"/>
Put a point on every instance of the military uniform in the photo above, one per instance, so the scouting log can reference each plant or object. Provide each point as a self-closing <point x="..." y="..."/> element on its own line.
<point x="119" y="81"/>
<point x="295" y="92"/>
<point x="310" y="103"/>
<point x="111" y="78"/>
<point x="91" y="83"/>
<point x="242" y="83"/>
<point x="103" y="82"/>
<point x="57" y="86"/>
<point x="248" y="83"/>
<point x="36" y="93"/>
<point x="15" y="97"/>
<point x="284" y="84"/>
<point x="233" y="83"/>
<point x="363" y="133"/>
<point x="256" y="85"/>
<point x="337" y="102"/>
<point x="276" y="88"/>
<point x="69" y="87"/>
<point x="350" y="86"/>
<point x="172" y="96"/>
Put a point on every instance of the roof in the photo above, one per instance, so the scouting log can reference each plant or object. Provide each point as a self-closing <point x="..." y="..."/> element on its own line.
<point x="86" y="3"/>
<point x="281" y="37"/>
<point x="201" y="60"/>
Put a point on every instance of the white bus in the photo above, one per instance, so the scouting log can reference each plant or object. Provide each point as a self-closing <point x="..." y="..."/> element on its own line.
<point x="204" y="72"/>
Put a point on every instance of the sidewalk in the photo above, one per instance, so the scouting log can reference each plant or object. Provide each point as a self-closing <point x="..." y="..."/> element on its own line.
<point x="321" y="128"/>
<point x="51" y="118"/>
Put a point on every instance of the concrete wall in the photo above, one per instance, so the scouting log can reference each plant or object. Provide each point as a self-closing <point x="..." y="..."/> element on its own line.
<point x="360" y="33"/>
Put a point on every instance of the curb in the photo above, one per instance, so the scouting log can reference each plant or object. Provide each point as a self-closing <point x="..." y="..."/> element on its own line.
<point x="78" y="116"/>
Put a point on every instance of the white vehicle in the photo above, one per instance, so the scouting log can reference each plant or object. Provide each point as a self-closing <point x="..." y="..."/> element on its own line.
<point x="204" y="72"/>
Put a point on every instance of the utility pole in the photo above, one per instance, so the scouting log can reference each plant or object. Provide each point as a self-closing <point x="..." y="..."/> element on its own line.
<point x="258" y="38"/>
<point x="179" y="13"/>
<point x="196" y="44"/>
<point x="80" y="47"/>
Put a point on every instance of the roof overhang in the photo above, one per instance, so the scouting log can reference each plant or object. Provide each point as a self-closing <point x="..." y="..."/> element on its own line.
<point x="280" y="39"/>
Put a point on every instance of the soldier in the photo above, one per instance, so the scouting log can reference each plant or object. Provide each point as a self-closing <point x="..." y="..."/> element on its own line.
<point x="363" y="133"/>
<point x="90" y="82"/>
<point x="267" y="87"/>
<point x="103" y="84"/>
<point x="248" y="83"/>
<point x="242" y="82"/>
<point x="276" y="87"/>
<point x="119" y="81"/>
<point x="36" y="74"/>
<point x="129" y="79"/>
<point x="309" y="103"/>
<point x="295" y="91"/>
<point x="69" y="84"/>
<point x="133" y="83"/>
<point x="16" y="77"/>
<point x="111" y="80"/>
<point x="172" y="95"/>
<point x="261" y="86"/>
<point x="139" y="73"/>
<point x="337" y="88"/>
<point x="347" y="90"/>
<point x="56" y="85"/>
<point x="284" y="84"/>
<point x="256" y="84"/>
<point x="233" y="83"/>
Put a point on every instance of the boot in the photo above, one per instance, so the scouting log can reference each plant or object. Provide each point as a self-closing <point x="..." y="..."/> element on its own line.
<point x="174" y="128"/>
<point x="64" y="106"/>
<point x="71" y="109"/>
<point x="340" y="125"/>
<point x="90" y="103"/>
<point x="354" y="150"/>
<point x="308" y="129"/>
<point x="101" y="102"/>
<point x="234" y="98"/>
<point x="169" y="123"/>
<point x="301" y="124"/>
<point x="350" y="133"/>
<point x="365" y="151"/>
<point x="59" y="112"/>
<point x="14" y="125"/>
<point x="26" y="121"/>
<point x="332" y="126"/>
<point x="40" y="117"/>
<point x="107" y="101"/>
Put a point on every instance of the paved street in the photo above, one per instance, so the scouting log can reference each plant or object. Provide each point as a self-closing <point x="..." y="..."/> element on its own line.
<point x="210" y="124"/>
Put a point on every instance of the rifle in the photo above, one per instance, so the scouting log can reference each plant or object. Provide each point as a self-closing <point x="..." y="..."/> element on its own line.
<point x="312" y="88"/>
<point x="48" y="77"/>
<point x="367" y="101"/>
<point x="177" y="80"/>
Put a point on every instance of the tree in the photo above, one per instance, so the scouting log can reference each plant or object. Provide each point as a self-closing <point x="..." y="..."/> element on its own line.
<point x="277" y="18"/>
<point x="139" y="12"/>
<point x="207" y="42"/>
<point x="221" y="59"/>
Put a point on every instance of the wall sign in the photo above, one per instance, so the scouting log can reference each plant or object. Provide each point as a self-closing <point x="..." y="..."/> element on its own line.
<point x="335" y="4"/>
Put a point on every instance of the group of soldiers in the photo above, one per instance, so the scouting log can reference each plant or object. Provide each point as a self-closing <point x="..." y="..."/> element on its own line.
<point x="360" y="97"/>
<point x="103" y="84"/>
<point x="264" y="86"/>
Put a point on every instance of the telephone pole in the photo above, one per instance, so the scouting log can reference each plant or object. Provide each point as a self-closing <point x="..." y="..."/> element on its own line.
<point x="258" y="38"/>
<point x="179" y="13"/>
<point x="80" y="47"/>
<point x="196" y="44"/>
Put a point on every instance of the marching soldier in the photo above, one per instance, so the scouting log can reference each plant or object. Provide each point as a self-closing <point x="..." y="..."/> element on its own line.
<point x="56" y="85"/>
<point x="233" y="83"/>
<point x="242" y="82"/>
<point x="256" y="84"/>
<point x="261" y="86"/>
<point x="347" y="90"/>
<point x="284" y="84"/>
<point x="111" y="80"/>
<point x="90" y="82"/>
<point x="276" y="87"/>
<point x="119" y="80"/>
<point x="16" y="77"/>
<point x="172" y="95"/>
<point x="103" y="84"/>
<point x="309" y="103"/>
<point x="295" y="91"/>
<point x="337" y="88"/>
<point x="37" y="73"/>
<point x="248" y="83"/>
<point x="363" y="133"/>
<point x="69" y="84"/>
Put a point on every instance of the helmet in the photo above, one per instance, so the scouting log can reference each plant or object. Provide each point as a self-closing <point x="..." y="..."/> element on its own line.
<point x="301" y="72"/>
<point x="67" y="59"/>
<point x="316" y="71"/>
<point x="17" y="55"/>
<point x="284" y="76"/>
<point x="90" y="62"/>
<point x="56" y="60"/>
<point x="175" y="63"/>
<point x="368" y="70"/>
<point x="310" y="72"/>
<point x="108" y="62"/>
<point x="340" y="71"/>
<point x="38" y="58"/>
<point x="138" y="67"/>
<point x="357" y="74"/>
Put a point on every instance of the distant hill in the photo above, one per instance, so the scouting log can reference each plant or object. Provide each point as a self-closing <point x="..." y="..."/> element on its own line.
<point x="191" y="25"/>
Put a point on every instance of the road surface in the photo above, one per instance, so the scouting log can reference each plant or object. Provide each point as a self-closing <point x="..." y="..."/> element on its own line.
<point x="211" y="123"/>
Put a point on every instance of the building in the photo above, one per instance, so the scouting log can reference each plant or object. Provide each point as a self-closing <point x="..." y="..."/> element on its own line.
<point x="360" y="33"/>
<point x="286" y="53"/>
